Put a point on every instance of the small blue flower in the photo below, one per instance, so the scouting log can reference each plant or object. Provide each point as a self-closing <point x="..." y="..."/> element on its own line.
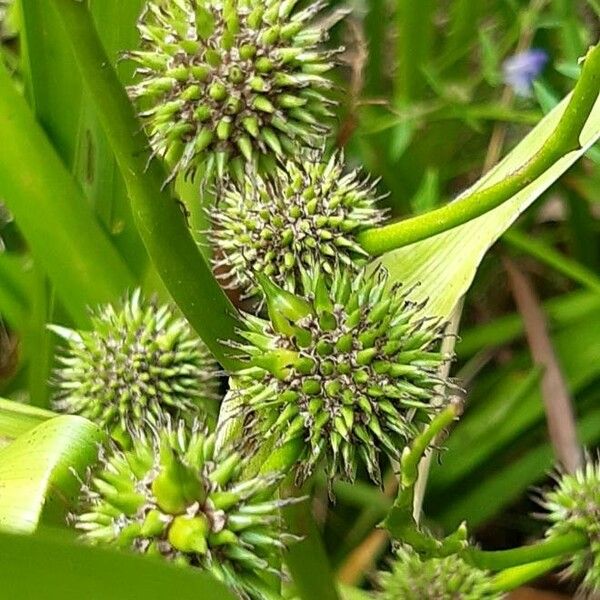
<point x="521" y="69"/>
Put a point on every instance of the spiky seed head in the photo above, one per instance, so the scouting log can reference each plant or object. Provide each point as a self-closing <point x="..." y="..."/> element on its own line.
<point x="226" y="81"/>
<point x="451" y="578"/>
<point x="350" y="366"/>
<point x="574" y="505"/>
<point x="308" y="212"/>
<point x="174" y="495"/>
<point x="137" y="363"/>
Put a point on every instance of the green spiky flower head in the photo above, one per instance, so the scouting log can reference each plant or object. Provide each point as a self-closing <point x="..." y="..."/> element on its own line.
<point x="350" y="367"/>
<point x="574" y="506"/>
<point x="173" y="495"/>
<point x="306" y="213"/>
<point x="451" y="578"/>
<point x="226" y="81"/>
<point x="136" y="364"/>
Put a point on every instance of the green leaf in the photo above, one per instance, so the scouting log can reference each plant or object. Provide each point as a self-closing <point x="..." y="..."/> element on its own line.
<point x="40" y="471"/>
<point x="53" y="567"/>
<point x="50" y="210"/>
<point x="17" y="418"/>
<point x="444" y="265"/>
<point x="15" y="289"/>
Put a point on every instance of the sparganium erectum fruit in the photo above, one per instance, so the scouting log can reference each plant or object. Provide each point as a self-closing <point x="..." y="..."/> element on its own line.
<point x="173" y="495"/>
<point x="352" y="367"/>
<point x="573" y="505"/>
<point x="137" y="363"/>
<point x="306" y="213"/>
<point x="451" y="578"/>
<point x="224" y="82"/>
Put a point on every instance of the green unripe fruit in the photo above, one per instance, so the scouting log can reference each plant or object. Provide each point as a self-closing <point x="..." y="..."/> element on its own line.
<point x="317" y="370"/>
<point x="298" y="217"/>
<point x="138" y="363"/>
<point x="265" y="54"/>
<point x="574" y="506"/>
<point x="414" y="578"/>
<point x="192" y="506"/>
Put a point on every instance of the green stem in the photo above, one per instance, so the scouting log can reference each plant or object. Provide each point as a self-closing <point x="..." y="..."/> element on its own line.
<point x="160" y="220"/>
<point x="515" y="577"/>
<point x="400" y="520"/>
<point x="564" y="139"/>
<point x="553" y="548"/>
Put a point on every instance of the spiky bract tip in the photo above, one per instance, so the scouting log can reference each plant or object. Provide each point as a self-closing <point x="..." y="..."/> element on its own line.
<point x="574" y="505"/>
<point x="175" y="496"/>
<point x="307" y="213"/>
<point x="224" y="82"/>
<point x="352" y="367"/>
<point x="451" y="578"/>
<point x="137" y="363"/>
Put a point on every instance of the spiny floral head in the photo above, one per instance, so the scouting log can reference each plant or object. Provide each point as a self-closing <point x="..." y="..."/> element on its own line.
<point x="351" y="367"/>
<point x="172" y="494"/>
<point x="306" y="213"/>
<point x="574" y="506"/>
<point x="137" y="363"/>
<point x="451" y="578"/>
<point x="224" y="82"/>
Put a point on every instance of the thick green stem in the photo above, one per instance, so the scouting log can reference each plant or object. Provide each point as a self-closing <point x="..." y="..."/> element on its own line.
<point x="564" y="139"/>
<point x="158" y="216"/>
<point x="517" y="576"/>
<point x="553" y="548"/>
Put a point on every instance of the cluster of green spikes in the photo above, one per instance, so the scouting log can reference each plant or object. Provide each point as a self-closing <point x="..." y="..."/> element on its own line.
<point x="137" y="363"/>
<point x="225" y="82"/>
<point x="351" y="367"/>
<point x="307" y="213"/>
<point x="177" y="495"/>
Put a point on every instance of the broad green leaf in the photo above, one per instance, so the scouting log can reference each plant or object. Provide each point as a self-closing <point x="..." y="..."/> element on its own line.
<point x="444" y="265"/>
<point x="47" y="566"/>
<point x="39" y="472"/>
<point x="15" y="289"/>
<point x="64" y="236"/>
<point x="52" y="85"/>
<point x="17" y="418"/>
<point x="95" y="165"/>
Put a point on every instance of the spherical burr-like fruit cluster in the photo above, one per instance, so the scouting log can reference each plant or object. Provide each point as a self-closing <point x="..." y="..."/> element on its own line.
<point x="574" y="506"/>
<point x="306" y="213"/>
<point x="351" y="367"/>
<point x="136" y="364"/>
<point x="173" y="495"/>
<point x="226" y="81"/>
<point x="449" y="578"/>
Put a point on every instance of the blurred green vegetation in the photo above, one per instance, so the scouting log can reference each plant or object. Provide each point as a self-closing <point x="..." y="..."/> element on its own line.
<point x="422" y="105"/>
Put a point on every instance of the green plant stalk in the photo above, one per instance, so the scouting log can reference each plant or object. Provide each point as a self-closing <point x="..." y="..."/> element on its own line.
<point x="400" y="520"/>
<point x="564" y="139"/>
<point x="159" y="218"/>
<point x="557" y="547"/>
<point x="549" y="256"/>
<point x="62" y="232"/>
<point x="515" y="577"/>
